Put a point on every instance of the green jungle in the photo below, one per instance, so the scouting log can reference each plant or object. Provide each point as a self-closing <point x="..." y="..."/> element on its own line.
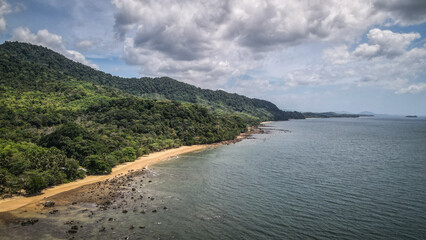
<point x="61" y="120"/>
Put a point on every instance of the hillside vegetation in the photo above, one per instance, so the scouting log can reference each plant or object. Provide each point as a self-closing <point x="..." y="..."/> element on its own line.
<point x="155" y="88"/>
<point x="59" y="119"/>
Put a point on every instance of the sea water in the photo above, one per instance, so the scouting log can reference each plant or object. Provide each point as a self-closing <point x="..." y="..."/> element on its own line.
<point x="361" y="178"/>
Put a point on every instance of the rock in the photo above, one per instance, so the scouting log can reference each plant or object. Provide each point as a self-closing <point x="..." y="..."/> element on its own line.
<point x="75" y="227"/>
<point x="133" y="189"/>
<point x="49" y="204"/>
<point x="152" y="198"/>
<point x="142" y="226"/>
<point x="110" y="219"/>
<point x="102" y="229"/>
<point x="131" y="227"/>
<point x="155" y="210"/>
<point x="72" y="231"/>
<point x="149" y="181"/>
<point x="124" y="211"/>
<point x="54" y="211"/>
<point x="31" y="221"/>
<point x="165" y="208"/>
<point x="143" y="211"/>
<point x="74" y="203"/>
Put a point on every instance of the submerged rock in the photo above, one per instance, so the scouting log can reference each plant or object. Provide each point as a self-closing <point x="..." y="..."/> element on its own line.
<point x="31" y="221"/>
<point x="73" y="229"/>
<point x="49" y="204"/>
<point x="54" y="211"/>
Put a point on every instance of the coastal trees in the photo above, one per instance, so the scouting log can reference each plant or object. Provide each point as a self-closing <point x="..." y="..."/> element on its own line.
<point x="53" y="125"/>
<point x="96" y="164"/>
<point x="34" y="182"/>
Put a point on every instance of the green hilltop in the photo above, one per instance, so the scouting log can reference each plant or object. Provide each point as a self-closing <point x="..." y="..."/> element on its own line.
<point x="153" y="88"/>
<point x="60" y="120"/>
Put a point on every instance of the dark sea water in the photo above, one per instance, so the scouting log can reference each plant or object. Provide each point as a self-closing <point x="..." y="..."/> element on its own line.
<point x="307" y="179"/>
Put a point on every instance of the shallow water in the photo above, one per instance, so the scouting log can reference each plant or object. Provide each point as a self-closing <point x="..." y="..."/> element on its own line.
<point x="323" y="179"/>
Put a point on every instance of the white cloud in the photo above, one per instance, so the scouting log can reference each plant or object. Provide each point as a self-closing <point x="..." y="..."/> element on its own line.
<point x="86" y="44"/>
<point x="385" y="43"/>
<point x="337" y="55"/>
<point x="189" y="41"/>
<point x="366" y="50"/>
<point x="386" y="61"/>
<point x="414" y="88"/>
<point x="49" y="40"/>
<point x="5" y="8"/>
<point x="207" y="42"/>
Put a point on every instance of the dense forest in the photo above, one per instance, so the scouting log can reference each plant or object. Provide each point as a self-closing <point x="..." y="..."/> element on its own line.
<point x="153" y="88"/>
<point x="57" y="125"/>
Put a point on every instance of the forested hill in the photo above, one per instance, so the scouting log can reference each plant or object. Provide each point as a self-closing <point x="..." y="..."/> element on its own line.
<point x="153" y="88"/>
<point x="54" y="126"/>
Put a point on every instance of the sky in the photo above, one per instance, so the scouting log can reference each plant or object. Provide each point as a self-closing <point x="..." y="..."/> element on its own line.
<point x="304" y="55"/>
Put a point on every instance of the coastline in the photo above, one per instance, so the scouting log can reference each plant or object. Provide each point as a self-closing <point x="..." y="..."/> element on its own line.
<point x="32" y="203"/>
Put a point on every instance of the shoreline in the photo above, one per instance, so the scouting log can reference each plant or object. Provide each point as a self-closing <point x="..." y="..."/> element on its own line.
<point x="18" y="202"/>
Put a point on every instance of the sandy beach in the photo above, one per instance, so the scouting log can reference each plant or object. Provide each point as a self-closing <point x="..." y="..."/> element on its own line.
<point x="122" y="169"/>
<point x="10" y="204"/>
<point x="14" y="203"/>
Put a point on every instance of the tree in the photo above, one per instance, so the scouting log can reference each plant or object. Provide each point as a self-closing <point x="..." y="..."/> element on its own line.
<point x="95" y="164"/>
<point x="34" y="182"/>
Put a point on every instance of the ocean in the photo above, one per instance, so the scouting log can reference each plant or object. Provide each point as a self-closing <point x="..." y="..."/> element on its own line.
<point x="348" y="178"/>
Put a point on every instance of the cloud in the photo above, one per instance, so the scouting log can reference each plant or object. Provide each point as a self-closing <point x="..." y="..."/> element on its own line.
<point x="189" y="41"/>
<point x="386" y="61"/>
<point x="405" y="12"/>
<point x="5" y="8"/>
<point x="49" y="40"/>
<point x="205" y="41"/>
<point x="337" y="55"/>
<point x="86" y="44"/>
<point x="385" y="43"/>
<point x="414" y="88"/>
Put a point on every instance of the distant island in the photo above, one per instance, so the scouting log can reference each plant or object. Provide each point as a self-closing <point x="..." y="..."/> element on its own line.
<point x="334" y="115"/>
<point x="411" y="116"/>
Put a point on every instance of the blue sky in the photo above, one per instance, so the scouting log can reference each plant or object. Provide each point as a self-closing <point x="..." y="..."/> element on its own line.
<point x="328" y="55"/>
